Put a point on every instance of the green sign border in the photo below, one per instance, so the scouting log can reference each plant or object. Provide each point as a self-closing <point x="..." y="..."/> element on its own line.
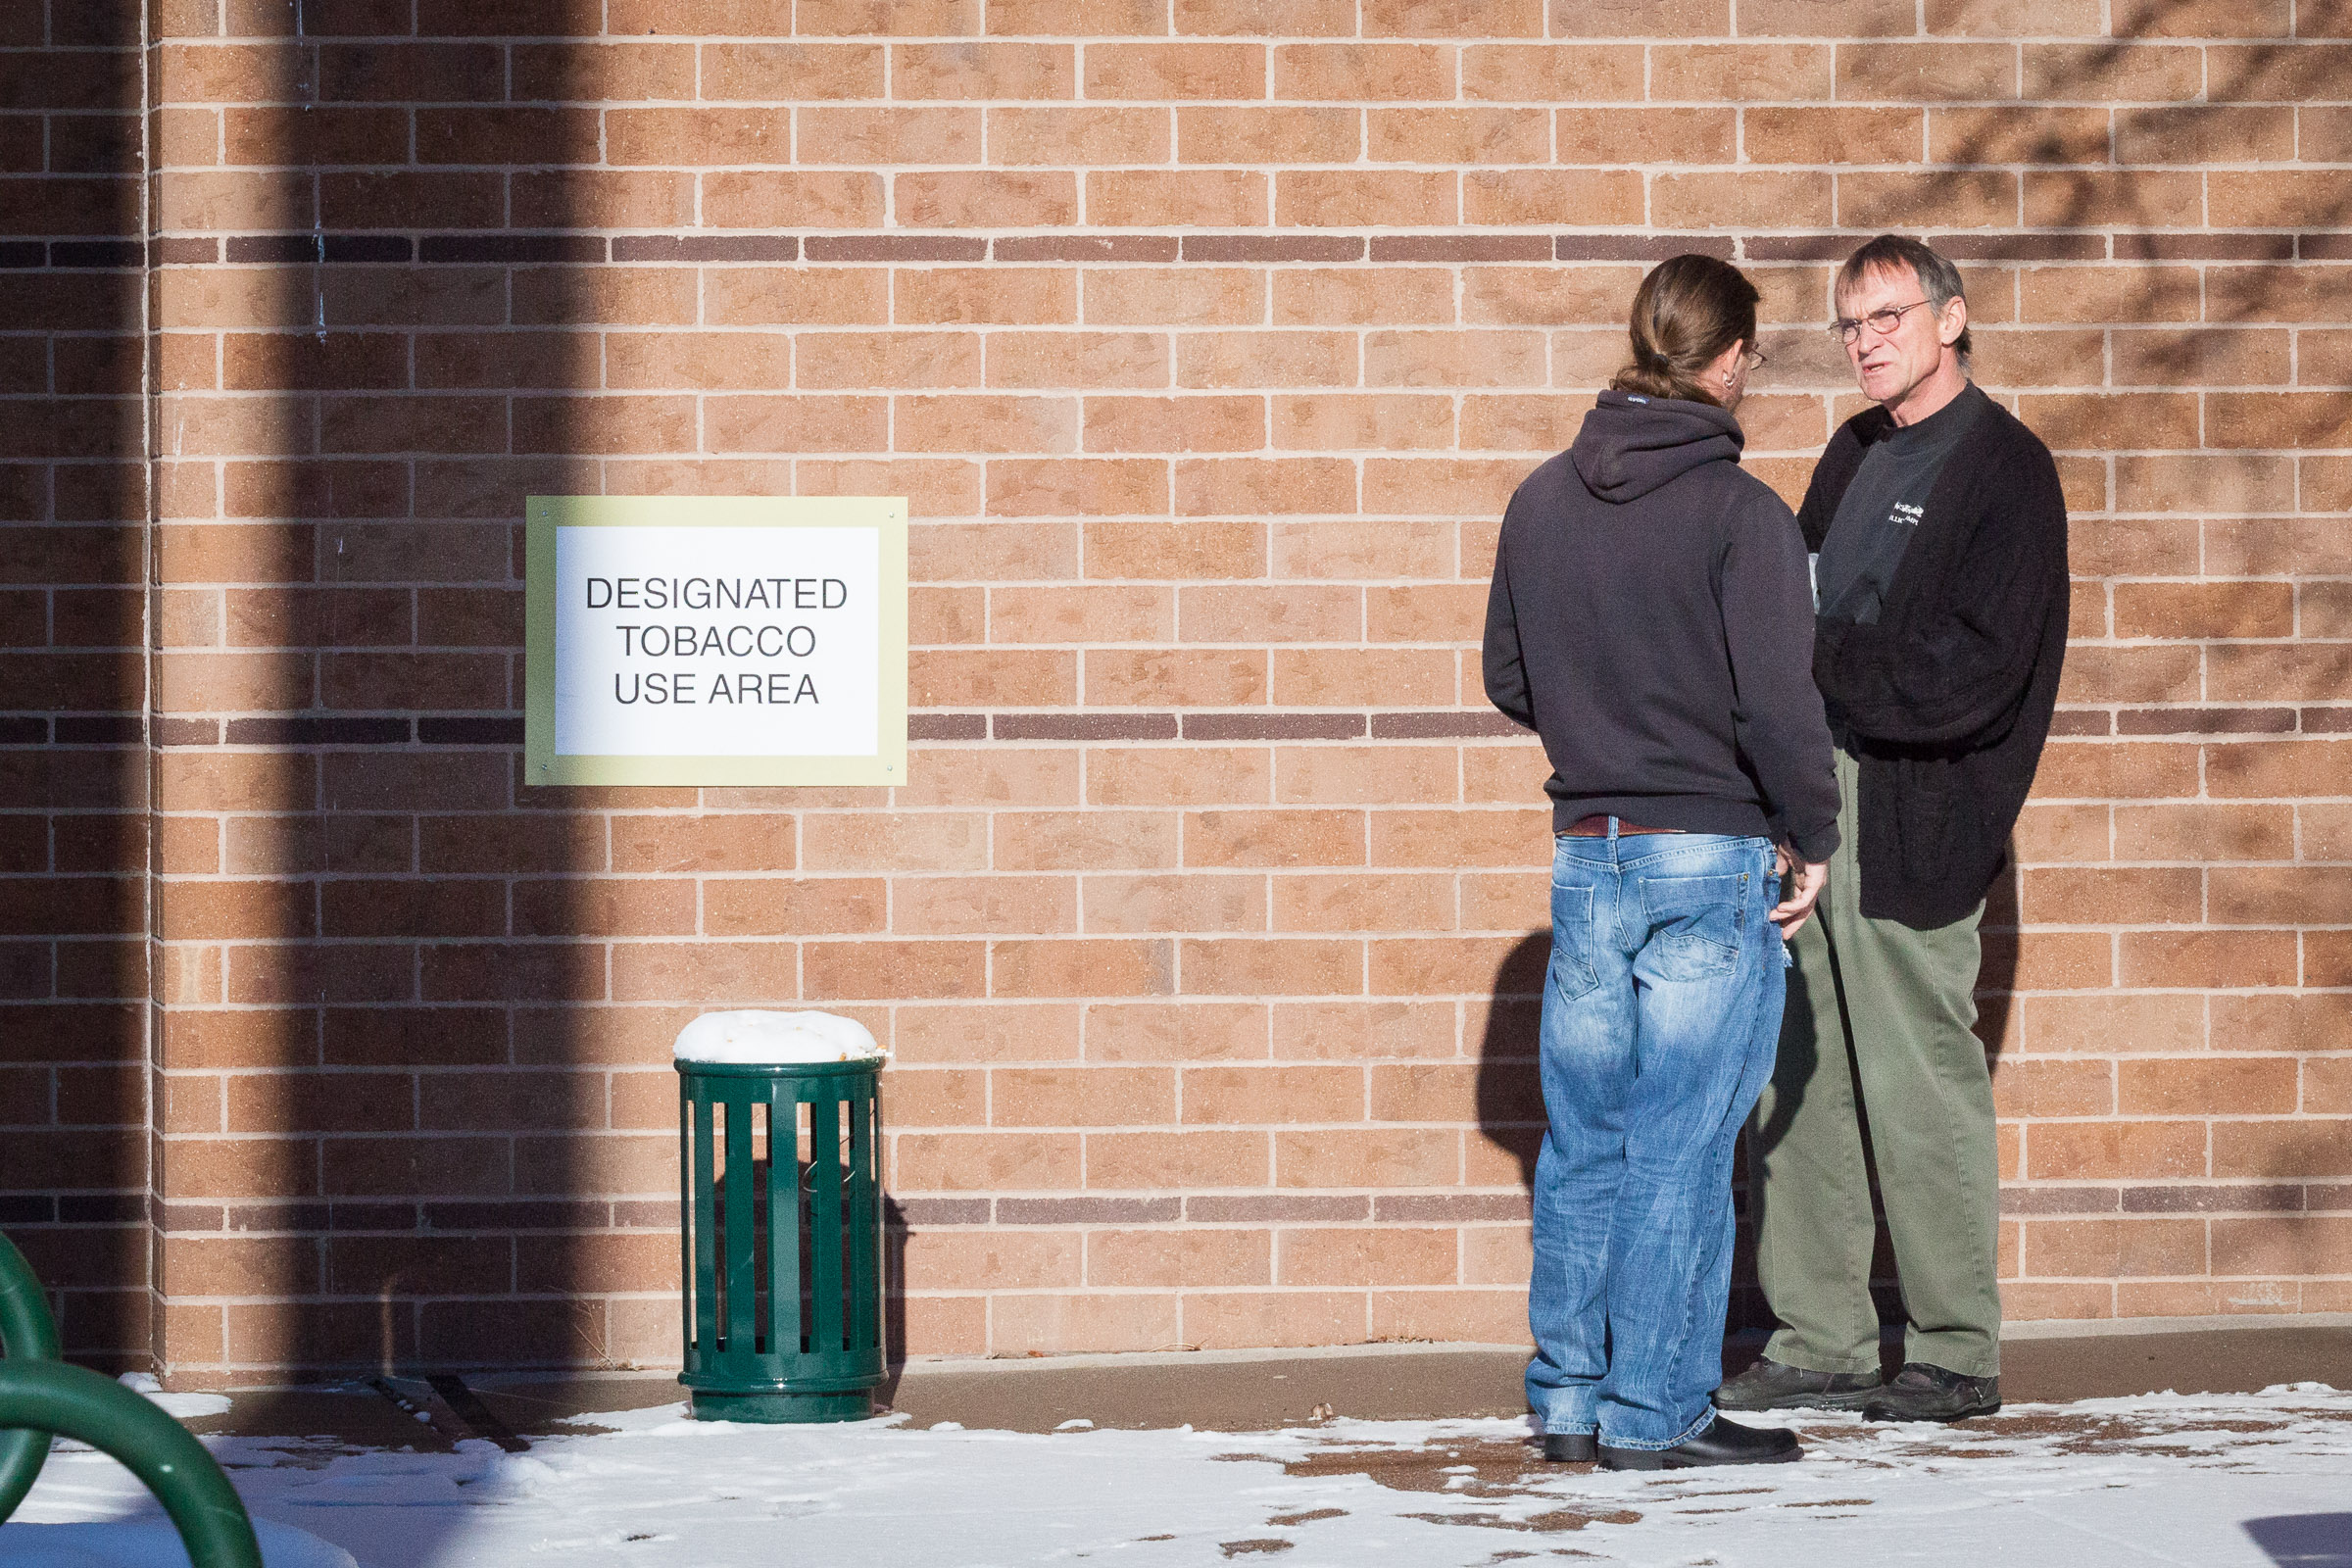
<point x="544" y="515"/>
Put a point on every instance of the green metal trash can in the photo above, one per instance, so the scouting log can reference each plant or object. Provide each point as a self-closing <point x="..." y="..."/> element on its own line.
<point x="782" y="1198"/>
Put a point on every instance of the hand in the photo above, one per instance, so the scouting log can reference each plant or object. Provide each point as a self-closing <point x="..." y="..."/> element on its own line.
<point x="1801" y="886"/>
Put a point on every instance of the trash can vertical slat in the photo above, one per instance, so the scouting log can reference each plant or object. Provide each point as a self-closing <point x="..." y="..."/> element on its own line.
<point x="687" y="1233"/>
<point x="866" y="1261"/>
<point x="784" y="1221"/>
<point x="824" y="1230"/>
<point x="736" y="1228"/>
<point x="706" y="1233"/>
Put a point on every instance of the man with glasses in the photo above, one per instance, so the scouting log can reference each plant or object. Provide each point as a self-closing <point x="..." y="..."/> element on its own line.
<point x="1941" y="590"/>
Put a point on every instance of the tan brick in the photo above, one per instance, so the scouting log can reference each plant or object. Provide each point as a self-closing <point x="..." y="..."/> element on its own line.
<point x="1386" y="1157"/>
<point x="1179" y="70"/>
<point x="1175" y="197"/>
<point x="1186" y="1160"/>
<point x="1354" y="72"/>
<point x="1187" y="1259"/>
<point x="1066" y="136"/>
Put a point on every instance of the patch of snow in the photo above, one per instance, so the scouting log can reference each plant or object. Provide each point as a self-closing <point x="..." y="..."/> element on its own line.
<point x="774" y="1038"/>
<point x="151" y="1543"/>
<point x="2165" y="1478"/>
<point x="178" y="1406"/>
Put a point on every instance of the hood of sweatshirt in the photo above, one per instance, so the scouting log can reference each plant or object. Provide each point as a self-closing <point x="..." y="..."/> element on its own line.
<point x="1631" y="443"/>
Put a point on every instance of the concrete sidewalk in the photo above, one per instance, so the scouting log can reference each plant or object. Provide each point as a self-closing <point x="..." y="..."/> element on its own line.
<point x="1240" y="1391"/>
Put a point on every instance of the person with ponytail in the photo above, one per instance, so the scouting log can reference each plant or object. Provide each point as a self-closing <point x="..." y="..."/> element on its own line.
<point x="1651" y="619"/>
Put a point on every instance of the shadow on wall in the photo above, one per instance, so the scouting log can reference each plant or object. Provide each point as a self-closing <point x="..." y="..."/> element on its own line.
<point x="73" y="960"/>
<point x="380" y="958"/>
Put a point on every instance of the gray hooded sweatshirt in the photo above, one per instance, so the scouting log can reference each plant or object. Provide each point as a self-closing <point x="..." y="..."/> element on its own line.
<point x="1652" y="617"/>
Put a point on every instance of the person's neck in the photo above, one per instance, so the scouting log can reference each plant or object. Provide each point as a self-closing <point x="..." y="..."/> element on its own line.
<point x="1929" y="396"/>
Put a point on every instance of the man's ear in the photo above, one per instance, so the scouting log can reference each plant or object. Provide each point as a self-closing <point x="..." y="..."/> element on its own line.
<point x="1952" y="322"/>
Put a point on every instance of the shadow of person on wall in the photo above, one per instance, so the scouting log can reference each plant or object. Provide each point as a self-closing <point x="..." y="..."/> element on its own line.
<point x="1510" y="1095"/>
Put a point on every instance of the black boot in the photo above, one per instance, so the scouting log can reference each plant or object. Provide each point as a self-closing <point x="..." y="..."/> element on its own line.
<point x="1723" y="1442"/>
<point x="1571" y="1447"/>
<point x="1924" y="1392"/>
<point x="1770" y="1385"/>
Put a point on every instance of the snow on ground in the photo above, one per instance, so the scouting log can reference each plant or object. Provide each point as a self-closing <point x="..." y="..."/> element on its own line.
<point x="2261" y="1481"/>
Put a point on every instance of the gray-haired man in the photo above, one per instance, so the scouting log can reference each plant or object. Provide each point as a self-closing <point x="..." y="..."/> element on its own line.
<point x="1941" y="589"/>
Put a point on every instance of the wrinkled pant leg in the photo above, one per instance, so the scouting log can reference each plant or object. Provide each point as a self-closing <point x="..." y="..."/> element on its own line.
<point x="1585" y="1046"/>
<point x="1927" y="1094"/>
<point x="1708" y="985"/>
<point x="1808" y="1173"/>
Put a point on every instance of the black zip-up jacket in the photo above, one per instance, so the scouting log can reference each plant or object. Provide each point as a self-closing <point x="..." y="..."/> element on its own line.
<point x="1652" y="619"/>
<point x="1945" y="700"/>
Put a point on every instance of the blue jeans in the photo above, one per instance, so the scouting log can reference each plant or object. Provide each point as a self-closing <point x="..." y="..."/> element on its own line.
<point x="1661" y="1014"/>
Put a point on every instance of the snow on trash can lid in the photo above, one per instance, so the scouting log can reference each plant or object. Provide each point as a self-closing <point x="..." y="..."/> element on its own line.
<point x="776" y="1039"/>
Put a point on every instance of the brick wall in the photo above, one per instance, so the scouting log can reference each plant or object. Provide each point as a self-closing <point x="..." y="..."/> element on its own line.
<point x="1207" y="338"/>
<point x="73" y="1116"/>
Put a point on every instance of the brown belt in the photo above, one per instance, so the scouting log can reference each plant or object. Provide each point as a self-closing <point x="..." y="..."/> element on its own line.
<point x="1598" y="827"/>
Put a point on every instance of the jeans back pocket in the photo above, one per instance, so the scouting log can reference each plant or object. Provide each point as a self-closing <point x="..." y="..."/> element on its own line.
<point x="1696" y="924"/>
<point x="1572" y="971"/>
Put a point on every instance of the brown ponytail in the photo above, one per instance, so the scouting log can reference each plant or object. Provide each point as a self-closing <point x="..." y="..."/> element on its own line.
<point x="1687" y="312"/>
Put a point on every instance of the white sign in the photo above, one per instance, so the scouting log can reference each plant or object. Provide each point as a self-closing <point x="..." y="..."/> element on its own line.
<point x="717" y="640"/>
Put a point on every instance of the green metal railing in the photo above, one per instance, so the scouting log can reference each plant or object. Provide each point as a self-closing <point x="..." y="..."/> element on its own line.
<point x="29" y="1335"/>
<point x="782" y="1256"/>
<point x="41" y="1395"/>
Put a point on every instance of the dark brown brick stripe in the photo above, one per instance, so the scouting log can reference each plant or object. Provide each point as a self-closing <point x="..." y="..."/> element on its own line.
<point x="1803" y="247"/>
<point x="1636" y="248"/>
<point x="1461" y="247"/>
<point x="2188" y="1199"/>
<point x="510" y="247"/>
<point x="2205" y="721"/>
<point x="904" y="1212"/>
<point x="1273" y="248"/>
<point x="19" y="729"/>
<point x="1273" y="726"/>
<point x="2092" y="722"/>
<point x="320" y="729"/>
<point x="468" y="729"/>
<point x="1458" y="723"/>
<point x="2057" y="1199"/>
<point x="1087" y="1210"/>
<point x="1088" y="248"/>
<point x="947" y="726"/>
<point x="1278" y="1208"/>
<point x="496" y="247"/>
<point x="706" y="248"/>
<point x="2204" y="247"/>
<point x="1085" y="726"/>
<point x="2016" y="247"/>
<point x="2326" y="721"/>
<point x="100" y="729"/>
<point x="894" y="248"/>
<point x="171" y="731"/>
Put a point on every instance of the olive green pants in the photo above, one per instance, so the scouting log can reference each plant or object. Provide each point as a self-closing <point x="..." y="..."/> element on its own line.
<point x="1878" y="1066"/>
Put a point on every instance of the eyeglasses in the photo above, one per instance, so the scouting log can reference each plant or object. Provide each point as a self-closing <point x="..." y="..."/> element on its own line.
<point x="1884" y="321"/>
<point x="1751" y="361"/>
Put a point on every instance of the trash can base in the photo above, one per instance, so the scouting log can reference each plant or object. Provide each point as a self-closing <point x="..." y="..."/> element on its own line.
<point x="780" y="1408"/>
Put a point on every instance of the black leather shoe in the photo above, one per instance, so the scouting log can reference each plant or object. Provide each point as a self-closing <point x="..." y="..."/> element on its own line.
<point x="1571" y="1447"/>
<point x="1723" y="1442"/>
<point x="1770" y="1385"/>
<point x="1924" y="1392"/>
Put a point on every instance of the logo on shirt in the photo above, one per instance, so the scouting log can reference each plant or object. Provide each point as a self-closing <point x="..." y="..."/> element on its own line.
<point x="1903" y="512"/>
